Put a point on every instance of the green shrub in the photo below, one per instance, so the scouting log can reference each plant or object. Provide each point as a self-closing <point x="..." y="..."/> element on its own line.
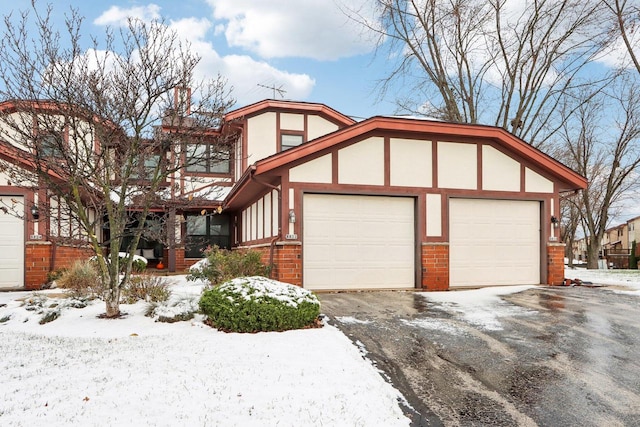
<point x="82" y="279"/>
<point x="253" y="304"/>
<point x="145" y="287"/>
<point x="223" y="265"/>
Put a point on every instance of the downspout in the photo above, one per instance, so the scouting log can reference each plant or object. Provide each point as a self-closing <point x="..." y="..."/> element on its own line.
<point x="272" y="245"/>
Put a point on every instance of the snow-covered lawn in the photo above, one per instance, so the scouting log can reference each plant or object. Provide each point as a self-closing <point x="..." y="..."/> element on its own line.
<point x="81" y="370"/>
<point x="627" y="278"/>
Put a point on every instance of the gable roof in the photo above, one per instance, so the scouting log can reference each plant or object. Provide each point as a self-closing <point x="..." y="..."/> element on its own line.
<point x="289" y="106"/>
<point x="569" y="179"/>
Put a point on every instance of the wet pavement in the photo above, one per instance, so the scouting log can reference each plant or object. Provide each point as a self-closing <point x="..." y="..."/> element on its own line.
<point x="546" y="356"/>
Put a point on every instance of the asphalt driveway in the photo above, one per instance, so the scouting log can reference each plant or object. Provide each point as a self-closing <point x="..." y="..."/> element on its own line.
<point x="546" y="356"/>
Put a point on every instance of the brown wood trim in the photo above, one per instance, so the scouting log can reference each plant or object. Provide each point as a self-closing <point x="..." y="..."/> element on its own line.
<point x="387" y="161"/>
<point x="479" y="156"/>
<point x="434" y="163"/>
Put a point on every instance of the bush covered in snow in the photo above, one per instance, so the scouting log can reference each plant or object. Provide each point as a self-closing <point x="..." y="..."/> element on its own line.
<point x="221" y="265"/>
<point x="253" y="304"/>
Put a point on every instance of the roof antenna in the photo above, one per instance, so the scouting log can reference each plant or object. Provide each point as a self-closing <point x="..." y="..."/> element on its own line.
<point x="275" y="89"/>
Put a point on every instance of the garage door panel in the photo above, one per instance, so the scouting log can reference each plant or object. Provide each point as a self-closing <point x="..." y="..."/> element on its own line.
<point x="11" y="249"/>
<point x="494" y="242"/>
<point x="356" y="242"/>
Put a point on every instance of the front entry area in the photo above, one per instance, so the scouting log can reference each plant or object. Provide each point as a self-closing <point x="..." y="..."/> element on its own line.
<point x="494" y="242"/>
<point x="358" y="242"/>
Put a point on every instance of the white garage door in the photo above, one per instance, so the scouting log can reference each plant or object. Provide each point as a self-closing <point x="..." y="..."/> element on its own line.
<point x="494" y="242"/>
<point x="358" y="242"/>
<point x="11" y="250"/>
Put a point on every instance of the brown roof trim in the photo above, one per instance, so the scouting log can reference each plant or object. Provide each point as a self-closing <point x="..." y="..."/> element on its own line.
<point x="443" y="129"/>
<point x="280" y="105"/>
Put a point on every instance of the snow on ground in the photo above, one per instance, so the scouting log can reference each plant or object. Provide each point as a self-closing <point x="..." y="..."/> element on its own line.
<point x="484" y="307"/>
<point x="481" y="307"/>
<point x="80" y="370"/>
<point x="628" y="278"/>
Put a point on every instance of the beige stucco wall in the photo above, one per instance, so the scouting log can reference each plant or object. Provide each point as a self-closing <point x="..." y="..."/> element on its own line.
<point x="434" y="215"/>
<point x="258" y="220"/>
<point x="267" y="216"/>
<point x="457" y="165"/>
<point x="12" y="135"/>
<point x="410" y="162"/>
<point x="316" y="170"/>
<point x="362" y="163"/>
<point x="290" y="121"/>
<point x="318" y="126"/>
<point x="499" y="171"/>
<point x="261" y="140"/>
<point x="536" y="183"/>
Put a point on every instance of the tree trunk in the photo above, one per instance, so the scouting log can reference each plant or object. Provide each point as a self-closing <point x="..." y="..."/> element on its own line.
<point x="592" y="255"/>
<point x="112" y="299"/>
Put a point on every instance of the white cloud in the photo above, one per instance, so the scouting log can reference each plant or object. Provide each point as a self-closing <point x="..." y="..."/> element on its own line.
<point x="242" y="72"/>
<point x="116" y="15"/>
<point x="315" y="29"/>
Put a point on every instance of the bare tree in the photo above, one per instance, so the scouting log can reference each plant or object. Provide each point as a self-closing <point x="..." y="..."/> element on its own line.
<point x="93" y="144"/>
<point x="626" y="18"/>
<point x="494" y="62"/>
<point x="602" y="142"/>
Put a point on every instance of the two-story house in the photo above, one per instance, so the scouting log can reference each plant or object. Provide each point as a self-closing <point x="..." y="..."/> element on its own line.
<point x="387" y="202"/>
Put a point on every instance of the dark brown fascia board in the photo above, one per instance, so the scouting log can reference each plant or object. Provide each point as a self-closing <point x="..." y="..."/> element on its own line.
<point x="573" y="180"/>
<point x="272" y="104"/>
<point x="230" y="201"/>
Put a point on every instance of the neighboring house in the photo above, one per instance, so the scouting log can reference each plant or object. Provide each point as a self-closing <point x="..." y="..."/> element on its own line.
<point x="383" y="203"/>
<point x="579" y="250"/>
<point x="616" y="246"/>
<point x="633" y="229"/>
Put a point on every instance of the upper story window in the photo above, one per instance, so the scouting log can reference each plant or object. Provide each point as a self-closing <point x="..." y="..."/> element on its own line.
<point x="288" y="140"/>
<point x="147" y="168"/>
<point x="50" y="145"/>
<point x="209" y="158"/>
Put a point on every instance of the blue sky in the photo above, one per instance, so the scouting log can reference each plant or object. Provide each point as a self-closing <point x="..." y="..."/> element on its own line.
<point x="312" y="50"/>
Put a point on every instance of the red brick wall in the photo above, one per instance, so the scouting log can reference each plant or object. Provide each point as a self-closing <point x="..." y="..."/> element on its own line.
<point x="555" y="263"/>
<point x="435" y="266"/>
<point x="37" y="264"/>
<point x="38" y="261"/>
<point x="66" y="255"/>
<point x="287" y="260"/>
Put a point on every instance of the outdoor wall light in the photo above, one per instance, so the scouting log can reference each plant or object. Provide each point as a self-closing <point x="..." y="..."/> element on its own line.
<point x="35" y="212"/>
<point x="554" y="221"/>
<point x="292" y="216"/>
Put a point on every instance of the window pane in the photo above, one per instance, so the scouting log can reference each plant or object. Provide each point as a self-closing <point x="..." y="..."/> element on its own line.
<point x="197" y="158"/>
<point x="50" y="145"/>
<point x="221" y="160"/>
<point x="197" y="225"/>
<point x="290" y="141"/>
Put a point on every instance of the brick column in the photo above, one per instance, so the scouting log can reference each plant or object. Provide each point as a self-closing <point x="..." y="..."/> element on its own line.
<point x="37" y="264"/>
<point x="555" y="263"/>
<point x="435" y="266"/>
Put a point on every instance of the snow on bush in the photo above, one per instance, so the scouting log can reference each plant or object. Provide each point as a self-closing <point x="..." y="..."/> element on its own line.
<point x="253" y="304"/>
